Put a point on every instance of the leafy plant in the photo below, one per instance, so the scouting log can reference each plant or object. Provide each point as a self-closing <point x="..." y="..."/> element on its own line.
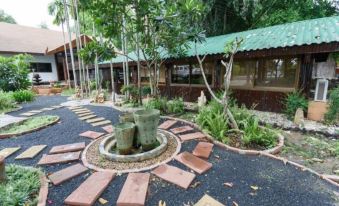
<point x="6" y="101"/>
<point x="145" y="90"/>
<point x="294" y="101"/>
<point x="68" y="92"/>
<point x="23" y="96"/>
<point x="332" y="115"/>
<point x="175" y="106"/>
<point x="57" y="84"/>
<point x="37" y="79"/>
<point x="132" y="92"/>
<point x="92" y="85"/>
<point x="157" y="103"/>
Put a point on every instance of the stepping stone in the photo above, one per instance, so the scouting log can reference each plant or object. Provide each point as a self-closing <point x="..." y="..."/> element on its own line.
<point x="57" y="106"/>
<point x="91" y="189"/>
<point x="68" y="148"/>
<point x="85" y="114"/>
<point x="203" y="149"/>
<point x="195" y="163"/>
<point x="8" y="151"/>
<point x="31" y="152"/>
<point x="27" y="114"/>
<point x="195" y="135"/>
<point x="47" y="109"/>
<point x="178" y="130"/>
<point x="174" y="175"/>
<point x="92" y="134"/>
<point x="83" y="111"/>
<point x="207" y="200"/>
<point x="75" y="108"/>
<point x="134" y="190"/>
<point x="167" y="124"/>
<point x="88" y="117"/>
<point x="101" y="123"/>
<point x="6" y="119"/>
<point x="80" y="109"/>
<point x="67" y="173"/>
<point x="59" y="158"/>
<point x="35" y="111"/>
<point x="108" y="128"/>
<point x="95" y="120"/>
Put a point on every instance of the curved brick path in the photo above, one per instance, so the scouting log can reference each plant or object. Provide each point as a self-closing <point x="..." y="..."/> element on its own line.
<point x="278" y="184"/>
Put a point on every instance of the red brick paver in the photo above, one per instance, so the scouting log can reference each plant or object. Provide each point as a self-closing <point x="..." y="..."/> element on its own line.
<point x="182" y="129"/>
<point x="174" y="175"/>
<point x="195" y="135"/>
<point x="203" y="149"/>
<point x="68" y="148"/>
<point x="67" y="173"/>
<point x="134" y="190"/>
<point x="90" y="190"/>
<point x="108" y="128"/>
<point x="59" y="158"/>
<point x="195" y="163"/>
<point x="91" y="134"/>
<point x="167" y="124"/>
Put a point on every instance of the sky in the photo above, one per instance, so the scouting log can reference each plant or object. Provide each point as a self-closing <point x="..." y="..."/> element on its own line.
<point x="29" y="12"/>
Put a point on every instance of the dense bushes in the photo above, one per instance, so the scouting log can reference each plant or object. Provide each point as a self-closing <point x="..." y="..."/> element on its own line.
<point x="23" y="96"/>
<point x="14" y="72"/>
<point x="294" y="101"/>
<point x="332" y="115"/>
<point x="175" y="106"/>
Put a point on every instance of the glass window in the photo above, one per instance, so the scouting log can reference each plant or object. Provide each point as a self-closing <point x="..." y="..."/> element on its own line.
<point x="277" y="72"/>
<point x="197" y="77"/>
<point x="41" y="67"/>
<point x="242" y="73"/>
<point x="180" y="74"/>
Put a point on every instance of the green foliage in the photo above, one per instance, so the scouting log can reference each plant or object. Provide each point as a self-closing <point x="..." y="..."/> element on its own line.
<point x="6" y="17"/>
<point x="57" y="84"/>
<point x="132" y="91"/>
<point x="175" y="106"/>
<point x="37" y="79"/>
<point x="146" y="90"/>
<point x="157" y="103"/>
<point x="92" y="85"/>
<point x="332" y="115"/>
<point x="22" y="186"/>
<point x="293" y="101"/>
<point x="14" y="72"/>
<point x="23" y="96"/>
<point x="68" y="92"/>
<point x="6" y="101"/>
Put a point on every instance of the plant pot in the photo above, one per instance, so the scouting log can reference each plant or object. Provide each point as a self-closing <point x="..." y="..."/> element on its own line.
<point x="44" y="91"/>
<point x="124" y="134"/>
<point x="126" y="117"/>
<point x="316" y="110"/>
<point x="147" y="123"/>
<point x="56" y="90"/>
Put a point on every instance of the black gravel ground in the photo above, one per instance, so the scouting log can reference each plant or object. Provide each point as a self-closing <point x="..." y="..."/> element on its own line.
<point x="278" y="184"/>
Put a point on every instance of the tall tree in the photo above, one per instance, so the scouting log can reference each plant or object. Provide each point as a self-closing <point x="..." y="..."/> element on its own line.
<point x="6" y="17"/>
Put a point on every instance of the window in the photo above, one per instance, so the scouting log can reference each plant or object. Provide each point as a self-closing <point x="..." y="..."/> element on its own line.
<point x="144" y="75"/>
<point x="242" y="73"/>
<point x="180" y="74"/>
<point x="277" y="72"/>
<point x="41" y="67"/>
<point x="197" y="77"/>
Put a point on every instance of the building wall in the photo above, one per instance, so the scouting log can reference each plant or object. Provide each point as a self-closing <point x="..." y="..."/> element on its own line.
<point x="45" y="76"/>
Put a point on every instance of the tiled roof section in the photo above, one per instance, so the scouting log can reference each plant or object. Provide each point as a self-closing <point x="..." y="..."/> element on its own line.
<point x="23" y="39"/>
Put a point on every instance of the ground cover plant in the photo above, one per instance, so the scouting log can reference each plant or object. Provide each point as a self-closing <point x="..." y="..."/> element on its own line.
<point x="68" y="92"/>
<point x="23" y="96"/>
<point x="293" y="101"/>
<point x="332" y="115"/>
<point x="6" y="102"/>
<point x="27" y="125"/>
<point x="22" y="186"/>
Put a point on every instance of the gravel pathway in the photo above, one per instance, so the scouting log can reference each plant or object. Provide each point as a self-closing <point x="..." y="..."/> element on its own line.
<point x="278" y="184"/>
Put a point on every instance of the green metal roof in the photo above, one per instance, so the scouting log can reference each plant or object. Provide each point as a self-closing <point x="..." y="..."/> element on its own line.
<point x="314" y="31"/>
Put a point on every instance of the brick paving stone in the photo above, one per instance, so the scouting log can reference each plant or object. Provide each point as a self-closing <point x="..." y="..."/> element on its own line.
<point x="85" y="114"/>
<point x="167" y="124"/>
<point x="174" y="175"/>
<point x="67" y="173"/>
<point x="182" y="129"/>
<point x="95" y="120"/>
<point x="207" y="200"/>
<point x="90" y="190"/>
<point x="31" y="152"/>
<point x="59" y="158"/>
<point x="134" y="190"/>
<point x="108" y="128"/>
<point x="101" y="123"/>
<point x="68" y="148"/>
<point x="92" y="134"/>
<point x="195" y="163"/>
<point x="195" y="135"/>
<point x="88" y="117"/>
<point x="203" y="149"/>
<point x="6" y="152"/>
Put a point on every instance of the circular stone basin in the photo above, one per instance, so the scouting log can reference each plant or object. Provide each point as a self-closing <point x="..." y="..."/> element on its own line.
<point x="105" y="149"/>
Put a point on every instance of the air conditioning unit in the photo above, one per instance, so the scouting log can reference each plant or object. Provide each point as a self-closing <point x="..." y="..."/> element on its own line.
<point x="321" y="90"/>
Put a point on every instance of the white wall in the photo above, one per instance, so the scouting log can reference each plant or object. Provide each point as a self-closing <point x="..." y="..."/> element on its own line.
<point x="45" y="76"/>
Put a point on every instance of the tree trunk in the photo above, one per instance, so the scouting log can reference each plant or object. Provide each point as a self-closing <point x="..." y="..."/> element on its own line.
<point x="112" y="80"/>
<point x="2" y="169"/>
<point x="66" y="57"/>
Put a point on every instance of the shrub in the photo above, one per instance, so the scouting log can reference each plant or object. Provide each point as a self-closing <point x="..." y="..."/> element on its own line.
<point x="92" y="85"/>
<point x="157" y="103"/>
<point x="68" y="92"/>
<point x="294" y="101"/>
<point x="6" y="101"/>
<point x="37" y="79"/>
<point x="332" y="115"/>
<point x="175" y="106"/>
<point x="145" y="90"/>
<point x="133" y="93"/>
<point x="23" y="96"/>
<point x="14" y="72"/>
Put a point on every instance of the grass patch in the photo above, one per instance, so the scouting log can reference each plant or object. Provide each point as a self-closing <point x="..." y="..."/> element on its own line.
<point x="68" y="92"/>
<point x="22" y="186"/>
<point x="29" y="124"/>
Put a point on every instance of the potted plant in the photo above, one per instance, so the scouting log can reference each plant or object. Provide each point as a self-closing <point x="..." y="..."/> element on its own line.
<point x="56" y="88"/>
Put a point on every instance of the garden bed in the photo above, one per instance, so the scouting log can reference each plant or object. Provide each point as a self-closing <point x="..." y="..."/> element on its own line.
<point x="24" y="186"/>
<point x="27" y="126"/>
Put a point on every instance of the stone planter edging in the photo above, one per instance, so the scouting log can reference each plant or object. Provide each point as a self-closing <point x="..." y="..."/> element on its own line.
<point x="267" y="153"/>
<point x="98" y="169"/>
<point x="43" y="192"/>
<point x="8" y="135"/>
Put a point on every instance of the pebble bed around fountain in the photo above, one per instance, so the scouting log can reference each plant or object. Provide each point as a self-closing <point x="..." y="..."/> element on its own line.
<point x="94" y="160"/>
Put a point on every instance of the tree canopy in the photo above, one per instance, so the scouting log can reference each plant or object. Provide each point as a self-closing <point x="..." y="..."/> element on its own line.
<point x="6" y="17"/>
